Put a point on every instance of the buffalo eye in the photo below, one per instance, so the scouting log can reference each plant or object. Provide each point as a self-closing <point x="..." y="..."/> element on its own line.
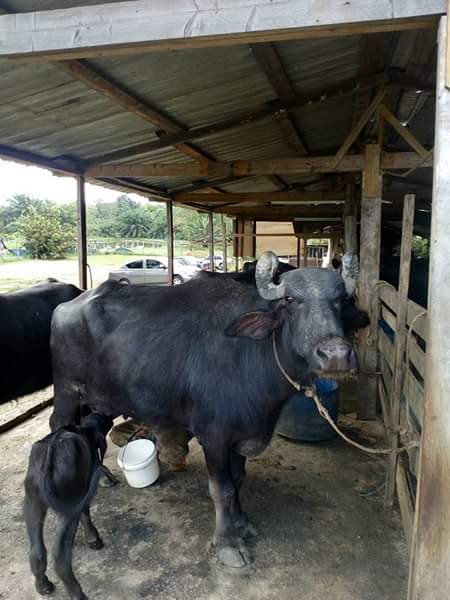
<point x="289" y="299"/>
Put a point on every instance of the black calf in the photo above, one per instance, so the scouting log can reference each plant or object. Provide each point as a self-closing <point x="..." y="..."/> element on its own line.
<point x="63" y="474"/>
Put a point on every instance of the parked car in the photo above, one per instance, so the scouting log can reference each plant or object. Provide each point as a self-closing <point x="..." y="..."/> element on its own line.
<point x="218" y="262"/>
<point x="153" y="271"/>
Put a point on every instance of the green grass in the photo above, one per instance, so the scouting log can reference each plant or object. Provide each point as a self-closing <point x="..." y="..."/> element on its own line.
<point x="11" y="284"/>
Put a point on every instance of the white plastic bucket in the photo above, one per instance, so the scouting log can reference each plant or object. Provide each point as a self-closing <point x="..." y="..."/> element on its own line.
<point x="139" y="462"/>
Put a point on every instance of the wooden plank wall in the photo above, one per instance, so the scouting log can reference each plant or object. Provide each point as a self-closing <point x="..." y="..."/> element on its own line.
<point x="412" y="394"/>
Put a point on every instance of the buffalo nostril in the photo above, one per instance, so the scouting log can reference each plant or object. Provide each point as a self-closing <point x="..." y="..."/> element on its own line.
<point x="321" y="354"/>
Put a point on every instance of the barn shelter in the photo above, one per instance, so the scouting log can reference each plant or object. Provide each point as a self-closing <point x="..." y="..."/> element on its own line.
<point x="334" y="117"/>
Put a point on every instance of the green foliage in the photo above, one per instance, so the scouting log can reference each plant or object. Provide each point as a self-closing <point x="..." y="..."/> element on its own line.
<point x="45" y="234"/>
<point x="14" y="209"/>
<point x="420" y="247"/>
<point x="48" y="228"/>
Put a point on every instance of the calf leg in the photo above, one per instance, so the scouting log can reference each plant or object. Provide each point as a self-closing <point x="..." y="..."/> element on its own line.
<point x="62" y="553"/>
<point x="35" y="511"/>
<point x="230" y="547"/>
<point x="91" y="534"/>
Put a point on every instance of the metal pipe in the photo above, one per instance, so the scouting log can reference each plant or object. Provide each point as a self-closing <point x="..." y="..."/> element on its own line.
<point x="82" y="232"/>
<point x="169" y="241"/>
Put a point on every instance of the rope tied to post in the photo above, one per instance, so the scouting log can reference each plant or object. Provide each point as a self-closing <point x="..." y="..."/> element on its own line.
<point x="311" y="392"/>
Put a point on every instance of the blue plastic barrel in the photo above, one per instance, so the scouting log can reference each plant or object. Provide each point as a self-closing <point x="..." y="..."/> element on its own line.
<point x="300" y="420"/>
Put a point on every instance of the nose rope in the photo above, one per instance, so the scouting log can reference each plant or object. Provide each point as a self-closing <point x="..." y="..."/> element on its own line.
<point x="311" y="392"/>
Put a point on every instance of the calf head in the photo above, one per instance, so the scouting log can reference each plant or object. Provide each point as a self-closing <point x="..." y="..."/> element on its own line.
<point x="315" y="312"/>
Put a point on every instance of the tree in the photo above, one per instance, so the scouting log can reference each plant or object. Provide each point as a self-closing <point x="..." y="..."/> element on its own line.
<point x="14" y="209"/>
<point x="45" y="235"/>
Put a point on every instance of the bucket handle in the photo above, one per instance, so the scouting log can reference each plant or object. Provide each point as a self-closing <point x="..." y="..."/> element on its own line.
<point x="138" y="430"/>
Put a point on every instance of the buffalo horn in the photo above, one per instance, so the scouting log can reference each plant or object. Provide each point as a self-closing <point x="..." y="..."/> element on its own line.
<point x="266" y="267"/>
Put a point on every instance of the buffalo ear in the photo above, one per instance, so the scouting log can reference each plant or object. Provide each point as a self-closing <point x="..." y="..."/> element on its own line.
<point x="254" y="325"/>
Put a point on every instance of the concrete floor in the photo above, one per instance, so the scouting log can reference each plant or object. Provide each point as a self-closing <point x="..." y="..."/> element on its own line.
<point x="319" y="537"/>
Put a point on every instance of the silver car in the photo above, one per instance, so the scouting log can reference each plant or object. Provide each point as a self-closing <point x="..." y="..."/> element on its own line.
<point x="153" y="271"/>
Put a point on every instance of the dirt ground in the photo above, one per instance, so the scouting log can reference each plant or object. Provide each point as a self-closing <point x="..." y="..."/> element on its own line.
<point x="323" y="531"/>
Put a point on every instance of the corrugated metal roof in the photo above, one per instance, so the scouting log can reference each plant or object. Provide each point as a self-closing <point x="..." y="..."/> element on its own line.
<point x="45" y="110"/>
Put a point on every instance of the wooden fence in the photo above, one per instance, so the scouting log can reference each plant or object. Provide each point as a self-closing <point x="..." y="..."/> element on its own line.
<point x="412" y="392"/>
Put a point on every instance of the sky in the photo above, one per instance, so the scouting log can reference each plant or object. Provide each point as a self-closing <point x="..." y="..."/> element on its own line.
<point x="16" y="178"/>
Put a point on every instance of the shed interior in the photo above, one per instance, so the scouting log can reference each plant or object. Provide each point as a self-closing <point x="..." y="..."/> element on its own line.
<point x="328" y="133"/>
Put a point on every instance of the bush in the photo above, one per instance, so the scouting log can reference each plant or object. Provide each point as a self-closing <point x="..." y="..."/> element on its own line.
<point x="44" y="233"/>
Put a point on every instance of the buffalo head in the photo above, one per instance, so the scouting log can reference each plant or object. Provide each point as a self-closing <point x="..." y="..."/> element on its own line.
<point x="314" y="311"/>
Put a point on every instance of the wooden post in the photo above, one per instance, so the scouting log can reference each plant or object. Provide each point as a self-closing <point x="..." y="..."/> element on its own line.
<point x="224" y="244"/>
<point x="298" y="250"/>
<point x="430" y="560"/>
<point x="211" y="241"/>
<point x="305" y="252"/>
<point x="369" y="275"/>
<point x="82" y="232"/>
<point x="169" y="208"/>
<point x="400" y="343"/>
<point x="350" y="219"/>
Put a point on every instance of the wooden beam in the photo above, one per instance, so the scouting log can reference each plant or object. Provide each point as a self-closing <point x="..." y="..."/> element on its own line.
<point x="430" y="562"/>
<point x="409" y="138"/>
<point x="224" y="244"/>
<point x="81" y="233"/>
<point x="352" y="136"/>
<point x="371" y="63"/>
<point x="271" y="110"/>
<point x="287" y="212"/>
<point x="370" y="274"/>
<point x="139" y="26"/>
<point x="350" y="219"/>
<point x="31" y="158"/>
<point x="400" y="343"/>
<point x="247" y="168"/>
<point x="447" y="50"/>
<point x="130" y="102"/>
<point x="263" y="197"/>
<point x="270" y="62"/>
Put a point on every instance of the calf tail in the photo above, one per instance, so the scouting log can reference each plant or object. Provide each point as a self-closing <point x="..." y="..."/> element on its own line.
<point x="70" y="475"/>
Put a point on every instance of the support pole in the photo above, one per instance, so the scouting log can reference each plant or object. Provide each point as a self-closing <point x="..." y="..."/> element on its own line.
<point x="82" y="232"/>
<point x="305" y="252"/>
<point x="224" y="244"/>
<point x="430" y="560"/>
<point x="298" y="251"/>
<point x="211" y="241"/>
<point x="169" y="208"/>
<point x="350" y="219"/>
<point x="400" y="343"/>
<point x="369" y="275"/>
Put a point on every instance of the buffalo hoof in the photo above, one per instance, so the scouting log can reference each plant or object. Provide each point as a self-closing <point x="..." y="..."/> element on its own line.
<point x="107" y="479"/>
<point x="96" y="544"/>
<point x="234" y="557"/>
<point x="45" y="587"/>
<point x="232" y="552"/>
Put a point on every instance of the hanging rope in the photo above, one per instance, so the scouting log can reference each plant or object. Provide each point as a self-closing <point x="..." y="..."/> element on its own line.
<point x="311" y="392"/>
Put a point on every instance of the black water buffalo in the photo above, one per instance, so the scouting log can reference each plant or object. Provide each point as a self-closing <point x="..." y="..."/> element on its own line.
<point x="201" y="356"/>
<point x="63" y="474"/>
<point x="25" y="319"/>
<point x="418" y="277"/>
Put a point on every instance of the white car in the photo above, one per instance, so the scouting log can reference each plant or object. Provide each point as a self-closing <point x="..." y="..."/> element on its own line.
<point x="153" y="271"/>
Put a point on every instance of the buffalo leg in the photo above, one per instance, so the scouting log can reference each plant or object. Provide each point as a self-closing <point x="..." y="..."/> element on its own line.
<point x="238" y="516"/>
<point x="230" y="547"/>
<point x="91" y="534"/>
<point x="35" y="511"/>
<point x="62" y="553"/>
